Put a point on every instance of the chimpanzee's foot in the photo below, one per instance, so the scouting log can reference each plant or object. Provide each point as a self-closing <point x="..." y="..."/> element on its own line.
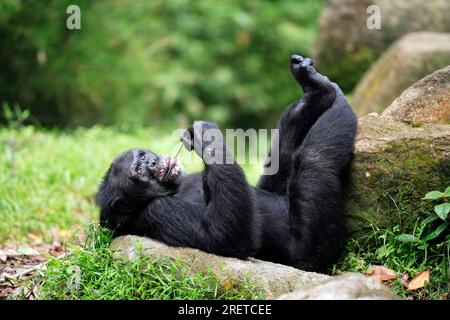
<point x="301" y="68"/>
<point x="307" y="77"/>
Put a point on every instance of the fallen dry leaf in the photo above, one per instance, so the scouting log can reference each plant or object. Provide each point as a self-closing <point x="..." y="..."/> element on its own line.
<point x="4" y="254"/>
<point x="8" y="252"/>
<point x="227" y="284"/>
<point x="27" y="251"/>
<point x="33" y="236"/>
<point x="381" y="273"/>
<point x="420" y="280"/>
<point x="36" y="239"/>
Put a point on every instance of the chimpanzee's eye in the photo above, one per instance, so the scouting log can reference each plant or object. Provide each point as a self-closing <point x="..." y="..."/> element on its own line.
<point x="143" y="157"/>
<point x="139" y="170"/>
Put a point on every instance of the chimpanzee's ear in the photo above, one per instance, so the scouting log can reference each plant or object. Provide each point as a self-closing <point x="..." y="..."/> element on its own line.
<point x="121" y="204"/>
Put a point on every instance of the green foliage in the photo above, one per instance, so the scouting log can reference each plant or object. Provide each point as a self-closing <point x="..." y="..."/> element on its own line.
<point x="90" y="272"/>
<point x="426" y="247"/>
<point x="432" y="226"/>
<point x="138" y="62"/>
<point x="442" y="210"/>
<point x="9" y="8"/>
<point x="15" y="117"/>
<point x="433" y="195"/>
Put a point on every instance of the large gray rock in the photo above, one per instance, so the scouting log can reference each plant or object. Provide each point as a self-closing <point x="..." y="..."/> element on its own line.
<point x="351" y="286"/>
<point x="274" y="279"/>
<point x="395" y="165"/>
<point x="413" y="57"/>
<point x="346" y="48"/>
<point x="427" y="101"/>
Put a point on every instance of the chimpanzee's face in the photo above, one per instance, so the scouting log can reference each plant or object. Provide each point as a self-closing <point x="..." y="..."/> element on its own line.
<point x="147" y="169"/>
<point x="138" y="175"/>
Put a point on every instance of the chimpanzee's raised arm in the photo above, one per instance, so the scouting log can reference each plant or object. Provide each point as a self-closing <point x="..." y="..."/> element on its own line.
<point x="229" y="219"/>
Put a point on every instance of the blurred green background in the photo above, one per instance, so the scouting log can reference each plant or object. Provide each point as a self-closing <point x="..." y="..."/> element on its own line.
<point x="151" y="62"/>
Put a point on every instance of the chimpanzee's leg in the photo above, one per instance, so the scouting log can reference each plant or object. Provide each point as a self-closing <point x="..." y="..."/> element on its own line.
<point x="295" y="122"/>
<point x="315" y="188"/>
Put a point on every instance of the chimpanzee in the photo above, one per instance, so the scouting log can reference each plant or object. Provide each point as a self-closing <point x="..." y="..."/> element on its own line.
<point x="293" y="217"/>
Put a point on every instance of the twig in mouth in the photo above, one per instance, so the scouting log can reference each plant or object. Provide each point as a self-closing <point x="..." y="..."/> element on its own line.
<point x="173" y="164"/>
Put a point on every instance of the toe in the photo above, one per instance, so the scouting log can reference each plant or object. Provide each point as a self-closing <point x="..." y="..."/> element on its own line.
<point x="307" y="62"/>
<point x="296" y="59"/>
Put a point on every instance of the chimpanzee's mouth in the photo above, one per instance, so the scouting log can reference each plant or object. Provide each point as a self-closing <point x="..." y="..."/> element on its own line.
<point x="169" y="170"/>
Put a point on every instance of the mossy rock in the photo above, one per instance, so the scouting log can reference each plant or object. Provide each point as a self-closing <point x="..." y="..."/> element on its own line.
<point x="411" y="58"/>
<point x="395" y="166"/>
<point x="346" y="47"/>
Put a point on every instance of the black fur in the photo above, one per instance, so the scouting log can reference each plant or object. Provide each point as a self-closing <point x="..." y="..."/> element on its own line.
<point x="294" y="217"/>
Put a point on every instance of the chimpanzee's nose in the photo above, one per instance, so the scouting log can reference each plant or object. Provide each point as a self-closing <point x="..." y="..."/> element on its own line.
<point x="296" y="59"/>
<point x="151" y="164"/>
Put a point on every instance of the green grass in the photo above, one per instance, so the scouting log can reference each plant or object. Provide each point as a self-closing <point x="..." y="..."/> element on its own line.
<point x="90" y="272"/>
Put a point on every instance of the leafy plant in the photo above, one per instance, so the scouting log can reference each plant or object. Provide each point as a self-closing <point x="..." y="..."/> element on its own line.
<point x="15" y="117"/>
<point x="434" y="226"/>
<point x="426" y="247"/>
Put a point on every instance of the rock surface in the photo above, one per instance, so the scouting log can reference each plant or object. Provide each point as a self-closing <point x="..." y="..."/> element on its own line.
<point x="427" y="101"/>
<point x="274" y="279"/>
<point x="395" y="165"/>
<point x="351" y="286"/>
<point x="346" y="48"/>
<point x="408" y="60"/>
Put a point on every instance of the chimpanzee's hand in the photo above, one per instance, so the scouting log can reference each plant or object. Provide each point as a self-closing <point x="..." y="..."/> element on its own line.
<point x="201" y="135"/>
